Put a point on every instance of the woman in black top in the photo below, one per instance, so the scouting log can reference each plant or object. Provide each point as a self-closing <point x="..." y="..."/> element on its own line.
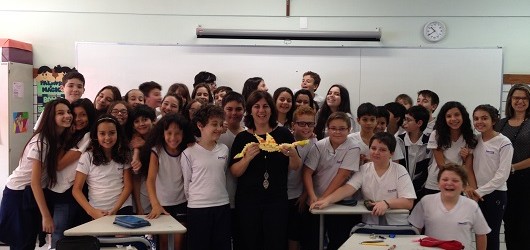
<point x="261" y="196"/>
<point x="517" y="128"/>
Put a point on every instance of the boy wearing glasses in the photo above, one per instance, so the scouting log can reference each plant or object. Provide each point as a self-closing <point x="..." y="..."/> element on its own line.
<point x="329" y="164"/>
<point x="414" y="145"/>
<point x="302" y="127"/>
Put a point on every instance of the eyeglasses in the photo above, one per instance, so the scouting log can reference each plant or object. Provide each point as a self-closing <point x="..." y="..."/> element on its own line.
<point x="519" y="98"/>
<point x="303" y="124"/>
<point x="116" y="112"/>
<point x="340" y="130"/>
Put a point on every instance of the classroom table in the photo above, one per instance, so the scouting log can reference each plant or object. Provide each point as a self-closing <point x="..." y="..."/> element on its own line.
<point x="165" y="224"/>
<point x="405" y="242"/>
<point x="336" y="209"/>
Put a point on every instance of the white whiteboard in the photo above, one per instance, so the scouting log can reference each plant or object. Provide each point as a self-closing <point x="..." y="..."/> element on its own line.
<point x="471" y="76"/>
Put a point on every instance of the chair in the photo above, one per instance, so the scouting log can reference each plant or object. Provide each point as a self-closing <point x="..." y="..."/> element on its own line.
<point x="138" y="242"/>
<point x="78" y="243"/>
<point x="384" y="229"/>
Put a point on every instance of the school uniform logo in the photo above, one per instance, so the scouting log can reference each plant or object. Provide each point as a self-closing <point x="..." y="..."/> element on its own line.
<point x="392" y="190"/>
<point x="490" y="152"/>
<point x="221" y="157"/>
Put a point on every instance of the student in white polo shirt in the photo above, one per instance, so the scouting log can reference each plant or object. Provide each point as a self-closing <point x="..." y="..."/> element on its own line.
<point x="329" y="164"/>
<point x="448" y="215"/>
<point x="66" y="212"/>
<point x="386" y="183"/>
<point x="204" y="166"/>
<point x="24" y="209"/>
<point x="302" y="125"/>
<point x="234" y="107"/>
<point x="165" y="182"/>
<point x="106" y="170"/>
<point x="492" y="163"/>
<point x="452" y="141"/>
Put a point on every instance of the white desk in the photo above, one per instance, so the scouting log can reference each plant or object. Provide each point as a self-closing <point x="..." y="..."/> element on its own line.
<point x="336" y="209"/>
<point x="408" y="242"/>
<point x="165" y="224"/>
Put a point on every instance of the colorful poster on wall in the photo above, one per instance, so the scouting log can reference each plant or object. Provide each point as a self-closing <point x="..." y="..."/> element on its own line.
<point x="48" y="84"/>
<point x="20" y="122"/>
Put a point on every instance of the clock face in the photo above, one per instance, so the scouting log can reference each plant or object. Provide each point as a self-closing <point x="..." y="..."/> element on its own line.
<point x="434" y="31"/>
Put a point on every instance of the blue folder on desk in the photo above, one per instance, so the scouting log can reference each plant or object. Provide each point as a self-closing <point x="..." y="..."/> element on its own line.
<point x="130" y="221"/>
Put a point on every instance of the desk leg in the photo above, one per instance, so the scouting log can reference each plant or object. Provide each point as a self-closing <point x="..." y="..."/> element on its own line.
<point x="321" y="233"/>
<point x="171" y="241"/>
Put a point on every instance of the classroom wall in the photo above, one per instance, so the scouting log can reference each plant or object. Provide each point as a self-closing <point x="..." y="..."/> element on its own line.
<point x="54" y="26"/>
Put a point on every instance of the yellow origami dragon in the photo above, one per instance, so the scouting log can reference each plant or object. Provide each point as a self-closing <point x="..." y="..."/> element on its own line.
<point x="269" y="144"/>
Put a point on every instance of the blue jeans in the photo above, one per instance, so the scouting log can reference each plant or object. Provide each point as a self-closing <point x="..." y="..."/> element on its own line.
<point x="64" y="215"/>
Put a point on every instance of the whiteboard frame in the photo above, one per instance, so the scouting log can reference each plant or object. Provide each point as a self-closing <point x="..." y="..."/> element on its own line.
<point x="355" y="98"/>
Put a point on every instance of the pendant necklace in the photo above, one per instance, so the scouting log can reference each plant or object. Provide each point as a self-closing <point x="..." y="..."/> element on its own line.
<point x="266" y="174"/>
<point x="266" y="179"/>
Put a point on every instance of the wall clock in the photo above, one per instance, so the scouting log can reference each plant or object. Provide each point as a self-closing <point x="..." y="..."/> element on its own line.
<point x="434" y="31"/>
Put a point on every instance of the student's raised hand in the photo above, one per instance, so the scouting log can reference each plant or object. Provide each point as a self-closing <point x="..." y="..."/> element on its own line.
<point x="380" y="208"/>
<point x="156" y="211"/>
<point x="47" y="224"/>
<point x="319" y="204"/>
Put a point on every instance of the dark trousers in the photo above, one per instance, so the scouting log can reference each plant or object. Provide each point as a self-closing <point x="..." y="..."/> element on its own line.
<point x="209" y="228"/>
<point x="20" y="219"/>
<point x="234" y="229"/>
<point x="517" y="215"/>
<point x="128" y="210"/>
<point x="295" y="219"/>
<point x="493" y="207"/>
<point x="262" y="226"/>
<point x="178" y="211"/>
